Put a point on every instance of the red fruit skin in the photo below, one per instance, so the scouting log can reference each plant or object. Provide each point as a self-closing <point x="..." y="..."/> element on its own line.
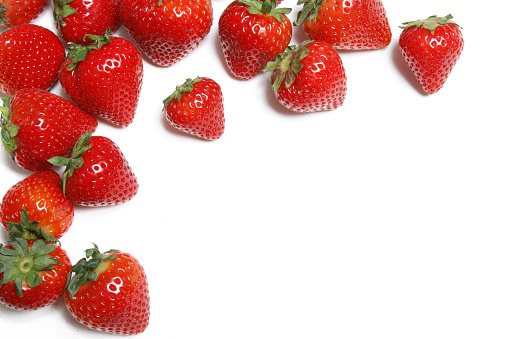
<point x="41" y="195"/>
<point x="169" y="32"/>
<point x="91" y="17"/>
<point x="30" y="57"/>
<point x="21" y="12"/>
<point x="320" y="85"/>
<point x="200" y="112"/>
<point x="351" y="25"/>
<point x="249" y="41"/>
<point x="105" y="179"/>
<point x="108" y="82"/>
<point x="51" y="289"/>
<point x="431" y="57"/>
<point x="118" y="301"/>
<point x="49" y="127"/>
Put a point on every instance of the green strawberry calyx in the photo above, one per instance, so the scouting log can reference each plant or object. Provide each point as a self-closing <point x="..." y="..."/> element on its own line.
<point x="79" y="53"/>
<point x="286" y="65"/>
<point x="88" y="268"/>
<point x="431" y="23"/>
<point x="2" y="11"/>
<point x="21" y="263"/>
<point x="75" y="160"/>
<point x="62" y="10"/>
<point x="27" y="229"/>
<point x="180" y="90"/>
<point x="309" y="10"/>
<point x="8" y="130"/>
<point x="266" y="7"/>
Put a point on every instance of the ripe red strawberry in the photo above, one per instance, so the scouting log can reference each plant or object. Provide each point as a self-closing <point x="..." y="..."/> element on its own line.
<point x="38" y="125"/>
<point x="252" y="33"/>
<point x="30" y="57"/>
<point x="97" y="173"/>
<point x="346" y="25"/>
<point x="36" y="206"/>
<point x="109" y="292"/>
<point x="77" y="18"/>
<point x="431" y="47"/>
<point x="196" y="107"/>
<point x="167" y="30"/>
<point x="19" y="12"/>
<point x="33" y="273"/>
<point x="309" y="77"/>
<point x="105" y="78"/>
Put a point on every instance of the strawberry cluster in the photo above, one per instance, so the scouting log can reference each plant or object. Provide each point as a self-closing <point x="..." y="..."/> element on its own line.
<point x="103" y="76"/>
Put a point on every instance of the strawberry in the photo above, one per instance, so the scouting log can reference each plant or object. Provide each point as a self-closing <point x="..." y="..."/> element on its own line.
<point x="77" y="18"/>
<point x="19" y="12"/>
<point x="431" y="47"/>
<point x="38" y="197"/>
<point x="309" y="77"/>
<point x="104" y="78"/>
<point x="97" y="173"/>
<point x="109" y="292"/>
<point x="33" y="273"/>
<point x="252" y="33"/>
<point x="167" y="30"/>
<point x="346" y="25"/>
<point x="30" y="57"/>
<point x="38" y="125"/>
<point x="196" y="107"/>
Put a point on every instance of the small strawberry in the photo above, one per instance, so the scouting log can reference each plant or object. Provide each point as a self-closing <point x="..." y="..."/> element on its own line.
<point x="309" y="77"/>
<point x="33" y="273"/>
<point x="97" y="173"/>
<point x="346" y="25"/>
<point x="77" y="18"/>
<point x="431" y="47"/>
<point x="196" y="107"/>
<point x="252" y="33"/>
<point x="38" y="197"/>
<point x="30" y="57"/>
<point x="167" y="30"/>
<point x="109" y="292"/>
<point x="38" y="125"/>
<point x="104" y="78"/>
<point x="19" y="12"/>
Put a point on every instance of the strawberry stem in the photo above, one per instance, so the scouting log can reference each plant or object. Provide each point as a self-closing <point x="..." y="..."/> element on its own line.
<point x="309" y="10"/>
<point x="27" y="229"/>
<point x="8" y="130"/>
<point x="431" y="23"/>
<point x="180" y="90"/>
<point x="79" y="53"/>
<point x="266" y="7"/>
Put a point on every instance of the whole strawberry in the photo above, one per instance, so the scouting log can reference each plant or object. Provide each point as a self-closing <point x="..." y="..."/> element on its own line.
<point x="33" y="273"/>
<point x="167" y="30"/>
<point x="97" y="173"/>
<point x="36" y="206"/>
<point x="104" y="78"/>
<point x="109" y="292"/>
<point x="38" y="125"/>
<point x="19" y="12"/>
<point x="431" y="47"/>
<point x="309" y="77"/>
<point x="346" y="25"/>
<point x="196" y="107"/>
<point x="252" y="33"/>
<point x="77" y="18"/>
<point x="30" y="57"/>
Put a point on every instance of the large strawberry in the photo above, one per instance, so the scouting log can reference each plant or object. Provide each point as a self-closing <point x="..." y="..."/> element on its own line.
<point x="104" y="78"/>
<point x="77" y="18"/>
<point x="18" y="12"/>
<point x="346" y="25"/>
<point x="431" y="47"/>
<point x="167" y="30"/>
<point x="109" y="292"/>
<point x="196" y="107"/>
<point x="252" y="33"/>
<point x="309" y="77"/>
<point x="38" y="125"/>
<point x="30" y="57"/>
<point x="37" y="205"/>
<point x="33" y="273"/>
<point x="97" y="173"/>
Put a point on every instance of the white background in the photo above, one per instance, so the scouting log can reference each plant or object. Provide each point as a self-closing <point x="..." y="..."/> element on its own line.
<point x="386" y="218"/>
